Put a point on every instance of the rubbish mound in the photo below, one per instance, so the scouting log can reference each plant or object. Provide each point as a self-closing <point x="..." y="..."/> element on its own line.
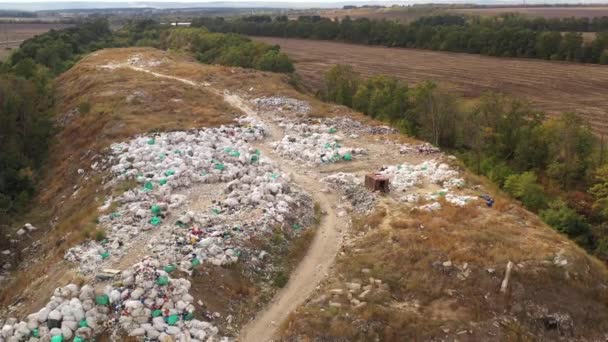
<point x="424" y="148"/>
<point x="354" y="127"/>
<point x="406" y="176"/>
<point x="282" y="103"/>
<point x="164" y="166"/>
<point x="147" y="304"/>
<point x="352" y="187"/>
<point x="313" y="144"/>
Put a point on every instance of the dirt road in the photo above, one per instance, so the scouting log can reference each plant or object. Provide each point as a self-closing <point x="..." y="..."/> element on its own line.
<point x="327" y="241"/>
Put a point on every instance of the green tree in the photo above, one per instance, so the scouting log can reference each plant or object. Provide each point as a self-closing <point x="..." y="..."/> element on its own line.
<point x="525" y="188"/>
<point x="564" y="219"/>
<point x="341" y="83"/>
<point x="436" y="114"/>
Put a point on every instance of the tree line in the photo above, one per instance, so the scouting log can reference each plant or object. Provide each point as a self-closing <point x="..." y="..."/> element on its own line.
<point x="27" y="93"/>
<point x="555" y="166"/>
<point x="504" y="36"/>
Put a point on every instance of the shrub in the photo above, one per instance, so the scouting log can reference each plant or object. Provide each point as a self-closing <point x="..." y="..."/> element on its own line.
<point x="525" y="188"/>
<point x="274" y="61"/>
<point x="564" y="219"/>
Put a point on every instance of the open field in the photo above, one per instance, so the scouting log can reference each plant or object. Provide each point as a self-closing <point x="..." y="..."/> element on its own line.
<point x="553" y="86"/>
<point x="546" y="12"/>
<point x="13" y="34"/>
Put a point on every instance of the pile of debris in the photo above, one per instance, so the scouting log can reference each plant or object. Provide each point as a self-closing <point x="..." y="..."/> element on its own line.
<point x="355" y="128"/>
<point x="406" y="176"/>
<point x="353" y="190"/>
<point x="148" y="304"/>
<point x="314" y="144"/>
<point x="424" y="148"/>
<point x="282" y="103"/>
<point x="247" y="185"/>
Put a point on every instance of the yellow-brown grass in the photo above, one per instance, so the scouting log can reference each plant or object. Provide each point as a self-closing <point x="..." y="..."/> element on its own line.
<point x="407" y="251"/>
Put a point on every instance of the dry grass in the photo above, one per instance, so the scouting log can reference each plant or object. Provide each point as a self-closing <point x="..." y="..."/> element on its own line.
<point x="552" y="86"/>
<point x="407" y="251"/>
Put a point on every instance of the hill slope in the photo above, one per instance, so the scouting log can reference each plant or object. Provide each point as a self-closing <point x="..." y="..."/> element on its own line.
<point x="211" y="220"/>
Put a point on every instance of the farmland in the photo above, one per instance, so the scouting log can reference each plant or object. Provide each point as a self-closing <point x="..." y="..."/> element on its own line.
<point x="12" y="34"/>
<point x="408" y="14"/>
<point x="541" y="11"/>
<point x="552" y="86"/>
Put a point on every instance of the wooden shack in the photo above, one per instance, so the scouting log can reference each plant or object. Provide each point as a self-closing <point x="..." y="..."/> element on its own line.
<point x="377" y="182"/>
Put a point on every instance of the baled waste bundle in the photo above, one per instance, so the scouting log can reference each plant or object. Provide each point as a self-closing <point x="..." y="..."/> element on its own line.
<point x="314" y="144"/>
<point x="405" y="176"/>
<point x="148" y="304"/>
<point x="168" y="165"/>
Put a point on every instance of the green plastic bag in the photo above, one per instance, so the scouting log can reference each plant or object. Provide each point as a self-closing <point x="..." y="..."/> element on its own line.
<point x="157" y="313"/>
<point x="102" y="300"/>
<point x="195" y="262"/>
<point x="105" y="255"/>
<point x="35" y="333"/>
<point x="274" y="176"/>
<point x="78" y="339"/>
<point x="162" y="156"/>
<point x="148" y="186"/>
<point x="151" y="141"/>
<point x="172" y="320"/>
<point x="220" y="166"/>
<point x="169" y="173"/>
<point x="162" y="281"/>
<point x="162" y="181"/>
<point x="114" y="215"/>
<point x="155" y="221"/>
<point x="332" y="130"/>
<point x="347" y="157"/>
<point x="327" y="145"/>
<point x="296" y="226"/>
<point x="216" y="211"/>
<point x="155" y="209"/>
<point x="83" y="323"/>
<point x="57" y="338"/>
<point x="189" y="316"/>
<point x="170" y="268"/>
<point x="254" y="158"/>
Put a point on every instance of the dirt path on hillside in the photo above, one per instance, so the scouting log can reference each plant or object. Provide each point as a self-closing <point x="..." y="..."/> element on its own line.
<point x="321" y="254"/>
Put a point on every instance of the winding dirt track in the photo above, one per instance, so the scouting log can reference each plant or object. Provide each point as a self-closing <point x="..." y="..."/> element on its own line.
<point x="325" y="245"/>
<point x="321" y="253"/>
<point x="552" y="86"/>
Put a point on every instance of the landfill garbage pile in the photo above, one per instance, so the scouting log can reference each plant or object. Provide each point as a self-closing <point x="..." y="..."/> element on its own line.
<point x="405" y="177"/>
<point x="354" y="127"/>
<point x="424" y="148"/>
<point x="313" y="144"/>
<point x="352" y="188"/>
<point x="145" y="303"/>
<point x="166" y="165"/>
<point x="282" y="103"/>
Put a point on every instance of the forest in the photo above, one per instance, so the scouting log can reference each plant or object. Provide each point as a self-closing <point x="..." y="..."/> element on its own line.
<point x="503" y="36"/>
<point x="554" y="166"/>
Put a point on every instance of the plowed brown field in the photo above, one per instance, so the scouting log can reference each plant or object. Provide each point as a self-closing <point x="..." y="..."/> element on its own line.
<point x="553" y="86"/>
